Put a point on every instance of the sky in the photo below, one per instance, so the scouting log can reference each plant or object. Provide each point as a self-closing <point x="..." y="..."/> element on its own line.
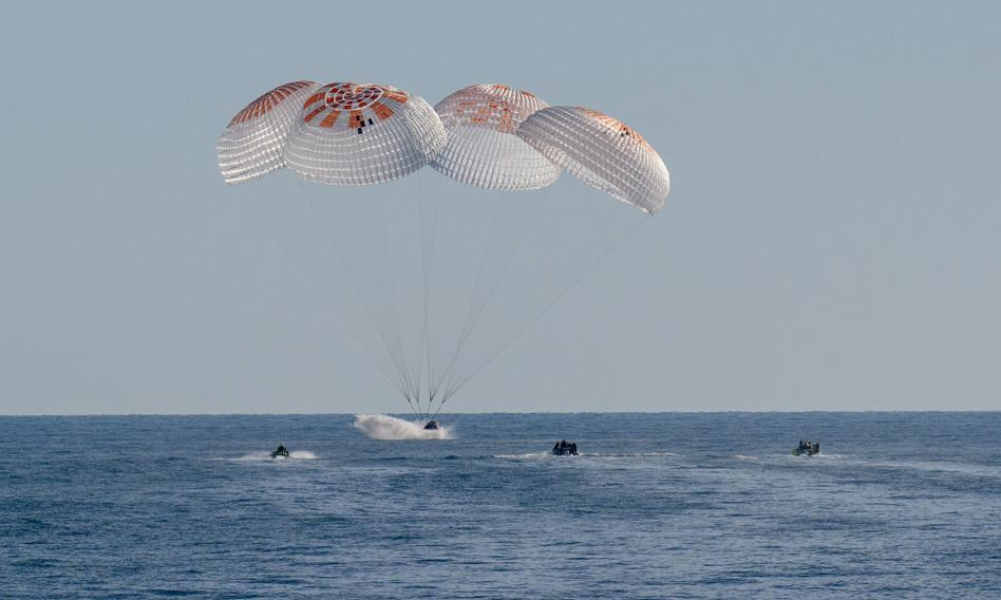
<point x="831" y="240"/>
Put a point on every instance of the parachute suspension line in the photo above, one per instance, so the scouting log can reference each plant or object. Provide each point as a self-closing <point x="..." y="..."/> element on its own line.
<point x="486" y="285"/>
<point x="329" y="304"/>
<point x="419" y="367"/>
<point x="411" y="405"/>
<point x="440" y="406"/>
<point x="402" y="385"/>
<point x="429" y="237"/>
<point x="472" y="300"/>
<point x="532" y="319"/>
<point x="395" y="305"/>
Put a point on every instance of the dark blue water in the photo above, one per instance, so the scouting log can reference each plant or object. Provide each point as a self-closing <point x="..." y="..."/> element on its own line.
<point x="659" y="506"/>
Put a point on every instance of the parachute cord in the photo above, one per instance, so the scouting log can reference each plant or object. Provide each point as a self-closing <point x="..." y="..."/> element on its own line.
<point x="405" y="390"/>
<point x="473" y="298"/>
<point x="431" y="403"/>
<point x="441" y="405"/>
<point x="421" y="353"/>
<point x="435" y="415"/>
<point x="411" y="405"/>
<point x="604" y="256"/>
<point x="429" y="250"/>
<point x="472" y="318"/>
<point x="330" y="306"/>
<point x="395" y="305"/>
<point x="427" y="272"/>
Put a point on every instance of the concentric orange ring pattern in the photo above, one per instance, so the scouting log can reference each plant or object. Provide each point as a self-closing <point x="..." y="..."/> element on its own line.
<point x="362" y="103"/>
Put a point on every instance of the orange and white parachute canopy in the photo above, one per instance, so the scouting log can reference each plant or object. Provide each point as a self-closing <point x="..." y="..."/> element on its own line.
<point x="600" y="151"/>
<point x="489" y="136"/>
<point x="482" y="149"/>
<point x="338" y="134"/>
<point x="254" y="142"/>
<point x="349" y="134"/>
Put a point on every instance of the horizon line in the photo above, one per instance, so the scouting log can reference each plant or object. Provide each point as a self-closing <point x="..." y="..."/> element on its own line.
<point x="586" y="412"/>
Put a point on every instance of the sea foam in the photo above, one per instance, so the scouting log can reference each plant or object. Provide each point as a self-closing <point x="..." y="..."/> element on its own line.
<point x="384" y="427"/>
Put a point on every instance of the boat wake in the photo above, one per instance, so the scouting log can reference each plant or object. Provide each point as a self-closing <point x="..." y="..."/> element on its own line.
<point x="615" y="455"/>
<point x="259" y="456"/>
<point x="384" y="427"/>
<point x="820" y="457"/>
<point x="526" y="456"/>
<point x="593" y="455"/>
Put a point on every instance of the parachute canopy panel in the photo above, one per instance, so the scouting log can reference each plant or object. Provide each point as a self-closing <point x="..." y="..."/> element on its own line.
<point x="482" y="149"/>
<point x="253" y="143"/>
<point x="350" y="134"/>
<point x="600" y="151"/>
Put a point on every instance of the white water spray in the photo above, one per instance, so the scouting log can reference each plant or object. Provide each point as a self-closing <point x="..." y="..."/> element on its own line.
<point x="383" y="427"/>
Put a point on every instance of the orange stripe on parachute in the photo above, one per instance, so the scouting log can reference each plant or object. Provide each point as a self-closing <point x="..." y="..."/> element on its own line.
<point x="396" y="96"/>
<point x="381" y="110"/>
<point x="315" y="112"/>
<point x="330" y="119"/>
<point x="312" y="99"/>
<point x="266" y="102"/>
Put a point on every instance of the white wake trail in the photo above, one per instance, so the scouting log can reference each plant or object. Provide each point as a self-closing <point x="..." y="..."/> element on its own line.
<point x="266" y="456"/>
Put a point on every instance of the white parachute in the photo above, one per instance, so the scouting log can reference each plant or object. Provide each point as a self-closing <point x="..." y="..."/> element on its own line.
<point x="600" y="151"/>
<point x="482" y="148"/>
<point x="436" y="279"/>
<point x="349" y="134"/>
<point x="254" y="143"/>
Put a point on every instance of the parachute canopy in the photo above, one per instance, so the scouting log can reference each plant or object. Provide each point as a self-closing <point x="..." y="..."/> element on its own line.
<point x="348" y="134"/>
<point x="600" y="151"/>
<point x="488" y="135"/>
<point x="254" y="142"/>
<point x="482" y="148"/>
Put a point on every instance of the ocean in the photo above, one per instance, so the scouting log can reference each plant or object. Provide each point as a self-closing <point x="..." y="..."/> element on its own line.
<point x="668" y="505"/>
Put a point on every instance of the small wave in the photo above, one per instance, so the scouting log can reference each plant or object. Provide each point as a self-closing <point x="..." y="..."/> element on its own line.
<point x="384" y="427"/>
<point x="941" y="467"/>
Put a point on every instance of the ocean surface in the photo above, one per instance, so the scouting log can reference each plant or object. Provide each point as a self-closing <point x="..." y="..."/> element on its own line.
<point x="898" y="505"/>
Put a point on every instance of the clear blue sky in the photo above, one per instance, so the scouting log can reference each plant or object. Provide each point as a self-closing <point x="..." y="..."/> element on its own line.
<point x="831" y="240"/>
